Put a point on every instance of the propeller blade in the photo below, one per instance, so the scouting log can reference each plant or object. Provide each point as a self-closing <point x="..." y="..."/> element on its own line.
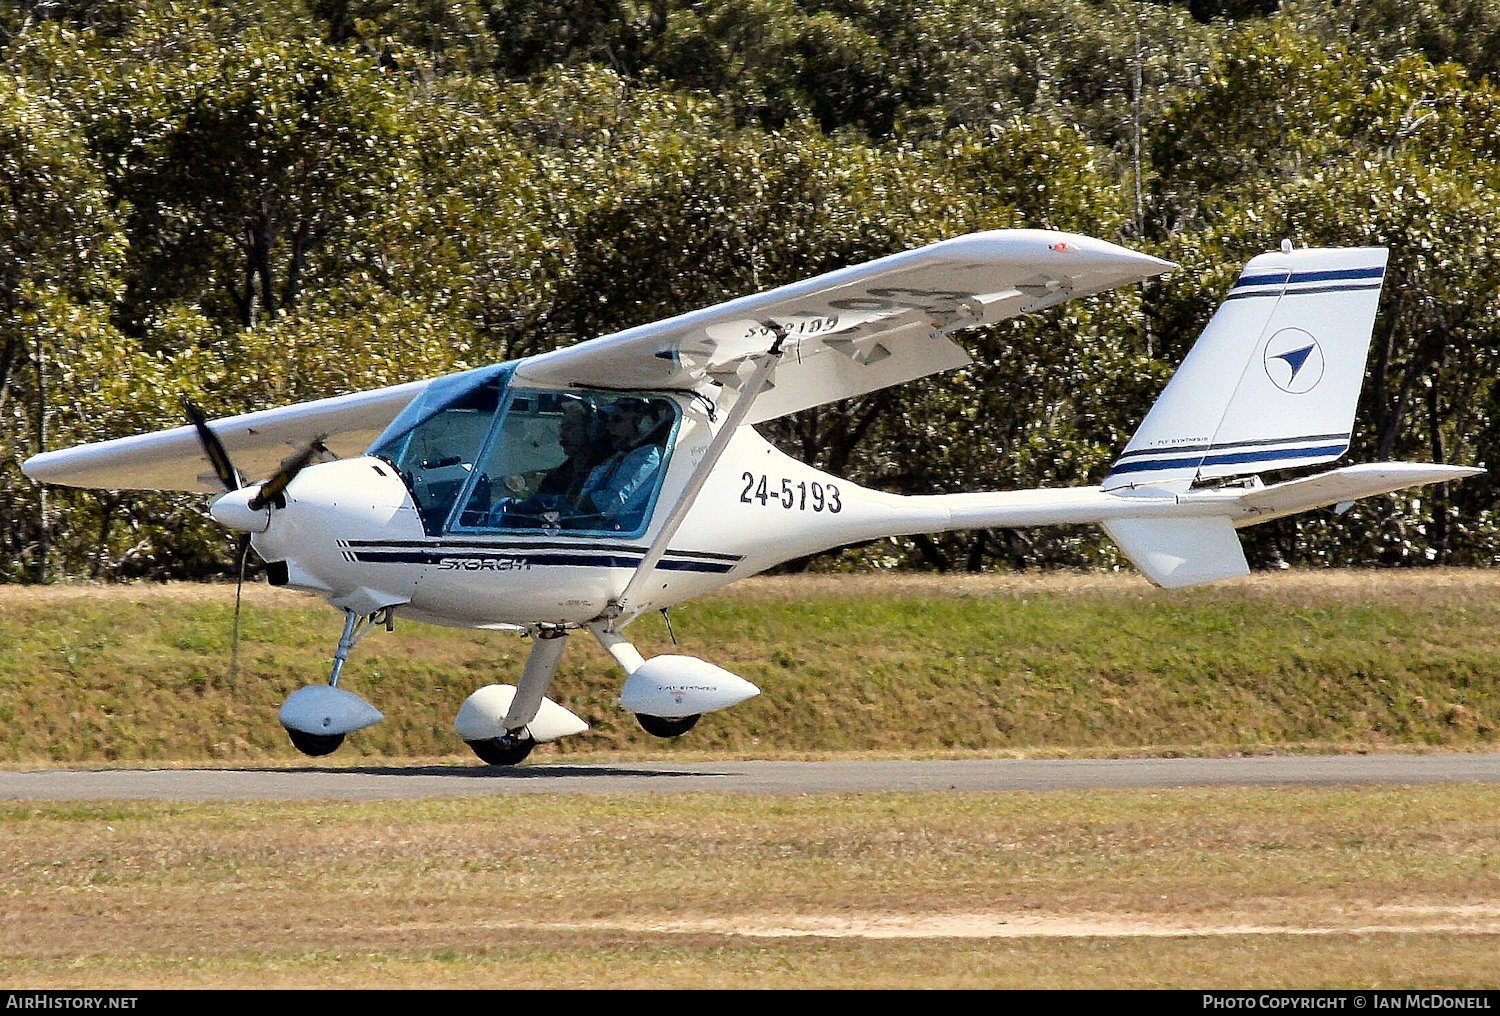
<point x="272" y="488"/>
<point x="214" y="449"/>
<point x="231" y="479"/>
<point x="239" y="587"/>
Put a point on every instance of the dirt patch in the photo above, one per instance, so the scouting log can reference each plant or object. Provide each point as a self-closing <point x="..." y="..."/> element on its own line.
<point x="1391" y="920"/>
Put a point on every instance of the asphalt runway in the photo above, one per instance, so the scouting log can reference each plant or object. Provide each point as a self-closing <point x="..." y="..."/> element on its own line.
<point x="372" y="783"/>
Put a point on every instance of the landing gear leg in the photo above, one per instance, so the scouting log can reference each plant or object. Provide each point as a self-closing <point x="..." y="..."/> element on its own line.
<point x="356" y="627"/>
<point x="512" y="746"/>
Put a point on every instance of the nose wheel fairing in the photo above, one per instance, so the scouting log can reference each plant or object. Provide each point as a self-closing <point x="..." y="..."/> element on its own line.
<point x="321" y="710"/>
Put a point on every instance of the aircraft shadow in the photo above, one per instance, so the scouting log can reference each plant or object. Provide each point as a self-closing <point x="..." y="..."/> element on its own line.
<point x="482" y="772"/>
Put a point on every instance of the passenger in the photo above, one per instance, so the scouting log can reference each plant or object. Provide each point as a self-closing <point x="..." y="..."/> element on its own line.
<point x="616" y="492"/>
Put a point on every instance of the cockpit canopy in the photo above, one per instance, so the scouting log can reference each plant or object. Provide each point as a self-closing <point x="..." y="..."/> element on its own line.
<point x="481" y="456"/>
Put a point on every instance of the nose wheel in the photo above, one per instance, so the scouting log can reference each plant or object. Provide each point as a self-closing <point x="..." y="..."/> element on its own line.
<point x="315" y="745"/>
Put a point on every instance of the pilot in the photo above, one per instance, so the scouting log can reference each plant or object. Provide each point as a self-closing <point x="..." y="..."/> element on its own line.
<point x="581" y="436"/>
<point x="615" y="494"/>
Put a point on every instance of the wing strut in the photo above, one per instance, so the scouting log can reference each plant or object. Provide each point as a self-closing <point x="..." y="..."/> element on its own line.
<point x="747" y="392"/>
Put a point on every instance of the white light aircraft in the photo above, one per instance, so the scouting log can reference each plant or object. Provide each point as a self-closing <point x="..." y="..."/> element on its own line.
<point x="581" y="488"/>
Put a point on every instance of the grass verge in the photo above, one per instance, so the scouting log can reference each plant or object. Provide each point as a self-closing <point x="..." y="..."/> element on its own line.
<point x="847" y="664"/>
<point x="1272" y="888"/>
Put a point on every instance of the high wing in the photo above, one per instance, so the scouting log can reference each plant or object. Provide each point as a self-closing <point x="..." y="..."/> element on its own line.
<point x="846" y="333"/>
<point x="852" y="331"/>
<point x="258" y="442"/>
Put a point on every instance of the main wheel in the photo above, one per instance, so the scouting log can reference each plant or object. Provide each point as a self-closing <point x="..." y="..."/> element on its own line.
<point x="316" y="745"/>
<point x="666" y="726"/>
<point x="503" y="751"/>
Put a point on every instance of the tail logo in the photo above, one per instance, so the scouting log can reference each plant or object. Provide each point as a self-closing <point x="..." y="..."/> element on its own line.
<point x="1294" y="361"/>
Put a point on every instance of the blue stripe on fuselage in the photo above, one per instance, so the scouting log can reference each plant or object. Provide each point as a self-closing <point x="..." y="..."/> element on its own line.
<point x="522" y="557"/>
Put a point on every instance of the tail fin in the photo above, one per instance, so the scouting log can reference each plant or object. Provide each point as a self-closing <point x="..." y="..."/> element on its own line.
<point x="1273" y="380"/>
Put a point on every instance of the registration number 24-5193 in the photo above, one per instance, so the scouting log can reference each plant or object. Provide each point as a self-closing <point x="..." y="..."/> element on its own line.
<point x="800" y="496"/>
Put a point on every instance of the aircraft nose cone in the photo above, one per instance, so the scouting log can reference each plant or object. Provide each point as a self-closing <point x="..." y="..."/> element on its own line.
<point x="233" y="511"/>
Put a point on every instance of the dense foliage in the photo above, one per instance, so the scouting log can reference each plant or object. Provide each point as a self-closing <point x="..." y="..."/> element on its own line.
<point x="251" y="202"/>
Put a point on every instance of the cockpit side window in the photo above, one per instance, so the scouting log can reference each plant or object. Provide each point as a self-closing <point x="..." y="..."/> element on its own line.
<point x="573" y="462"/>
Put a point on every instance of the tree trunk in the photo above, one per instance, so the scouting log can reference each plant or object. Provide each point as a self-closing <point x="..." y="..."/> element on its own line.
<point x="975" y="563"/>
<point x="108" y="502"/>
<point x="43" y="535"/>
<point x="1380" y="384"/>
<point x="931" y="552"/>
<point x="260" y="264"/>
<point x="841" y="444"/>
<point x="9" y="356"/>
<point x="1439" y="492"/>
<point x="301" y="244"/>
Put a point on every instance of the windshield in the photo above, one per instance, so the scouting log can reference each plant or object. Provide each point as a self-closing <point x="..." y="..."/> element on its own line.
<point x="520" y="459"/>
<point x="436" y="440"/>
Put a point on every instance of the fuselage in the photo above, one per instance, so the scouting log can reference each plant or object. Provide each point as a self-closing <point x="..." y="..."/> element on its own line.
<point x="445" y="516"/>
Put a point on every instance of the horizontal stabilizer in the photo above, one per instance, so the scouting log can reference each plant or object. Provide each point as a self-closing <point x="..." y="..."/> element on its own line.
<point x="1181" y="552"/>
<point x="1340" y="485"/>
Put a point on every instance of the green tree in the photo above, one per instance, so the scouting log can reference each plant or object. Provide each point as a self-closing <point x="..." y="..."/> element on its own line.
<point x="60" y="252"/>
<point x="1465" y="32"/>
<point x="1401" y="156"/>
<point x="746" y="213"/>
<point x="1050" y="399"/>
<point x="241" y="173"/>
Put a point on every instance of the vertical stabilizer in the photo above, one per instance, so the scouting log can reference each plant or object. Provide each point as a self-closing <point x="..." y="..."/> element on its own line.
<point x="1273" y="380"/>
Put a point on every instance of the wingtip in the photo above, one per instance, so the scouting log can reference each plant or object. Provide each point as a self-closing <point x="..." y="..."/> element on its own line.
<point x="1421" y="472"/>
<point x="38" y="467"/>
<point x="1151" y="265"/>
